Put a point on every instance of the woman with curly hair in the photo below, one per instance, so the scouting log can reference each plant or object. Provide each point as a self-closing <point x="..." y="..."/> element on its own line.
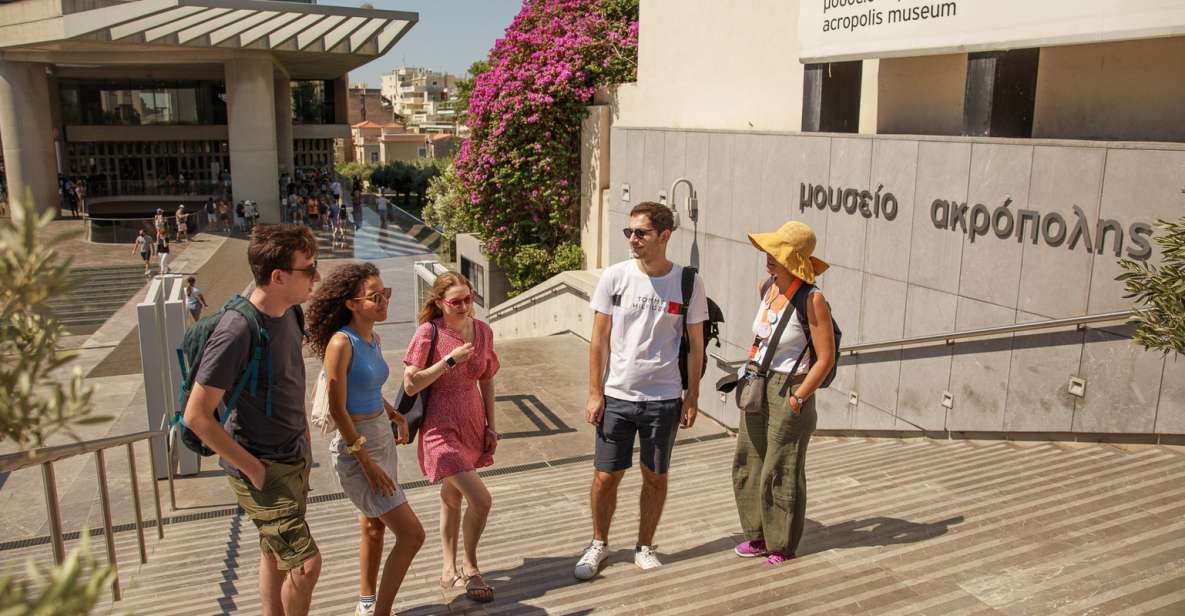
<point x="342" y="315"/>
<point x="458" y="435"/>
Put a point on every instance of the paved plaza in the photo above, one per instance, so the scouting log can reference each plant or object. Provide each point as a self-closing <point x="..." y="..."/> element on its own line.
<point x="895" y="526"/>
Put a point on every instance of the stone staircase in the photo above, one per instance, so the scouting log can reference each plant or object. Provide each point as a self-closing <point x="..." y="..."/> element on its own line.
<point x="95" y="294"/>
<point x="909" y="526"/>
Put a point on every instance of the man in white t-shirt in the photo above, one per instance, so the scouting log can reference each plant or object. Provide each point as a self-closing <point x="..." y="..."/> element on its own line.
<point x="637" y="327"/>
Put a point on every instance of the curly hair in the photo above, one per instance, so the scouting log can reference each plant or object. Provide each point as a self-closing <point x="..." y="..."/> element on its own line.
<point x="444" y="282"/>
<point x="327" y="311"/>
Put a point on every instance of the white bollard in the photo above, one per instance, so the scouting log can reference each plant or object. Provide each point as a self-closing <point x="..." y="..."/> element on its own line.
<point x="161" y="317"/>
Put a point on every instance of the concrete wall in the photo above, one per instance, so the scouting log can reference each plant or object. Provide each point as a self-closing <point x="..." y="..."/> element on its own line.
<point x="905" y="277"/>
<point x="921" y="95"/>
<point x="707" y="64"/>
<point x="1131" y="90"/>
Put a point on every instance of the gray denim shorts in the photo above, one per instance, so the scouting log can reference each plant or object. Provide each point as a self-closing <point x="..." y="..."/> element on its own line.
<point x="656" y="422"/>
<point x="380" y="444"/>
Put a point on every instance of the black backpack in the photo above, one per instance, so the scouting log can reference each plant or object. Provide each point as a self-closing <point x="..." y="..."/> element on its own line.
<point x="711" y="326"/>
<point x="259" y="367"/>
<point x="799" y="300"/>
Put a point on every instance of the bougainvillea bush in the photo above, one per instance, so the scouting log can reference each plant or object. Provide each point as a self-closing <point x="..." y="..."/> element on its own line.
<point x="520" y="167"/>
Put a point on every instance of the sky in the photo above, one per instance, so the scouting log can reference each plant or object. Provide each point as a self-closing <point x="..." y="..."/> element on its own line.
<point x="451" y="35"/>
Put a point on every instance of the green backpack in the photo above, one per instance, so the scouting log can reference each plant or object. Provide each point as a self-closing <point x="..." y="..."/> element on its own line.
<point x="259" y="367"/>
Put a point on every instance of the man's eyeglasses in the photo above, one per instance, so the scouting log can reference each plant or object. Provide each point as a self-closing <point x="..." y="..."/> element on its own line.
<point x="460" y="301"/>
<point x="378" y="296"/>
<point x="310" y="270"/>
<point x="638" y="233"/>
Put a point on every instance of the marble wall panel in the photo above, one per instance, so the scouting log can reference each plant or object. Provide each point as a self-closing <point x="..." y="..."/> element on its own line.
<point x="618" y="163"/>
<point x="1170" y="412"/>
<point x="1122" y="383"/>
<point x="1038" y="379"/>
<point x="925" y="371"/>
<point x="1055" y="282"/>
<point x="882" y="317"/>
<point x="936" y="254"/>
<point x="716" y="213"/>
<point x="808" y="162"/>
<point x="1138" y="186"/>
<point x="979" y="369"/>
<point x="652" y="167"/>
<point x="894" y="167"/>
<point x="748" y="161"/>
<point x="851" y="165"/>
<point x="634" y="171"/>
<point x="991" y="266"/>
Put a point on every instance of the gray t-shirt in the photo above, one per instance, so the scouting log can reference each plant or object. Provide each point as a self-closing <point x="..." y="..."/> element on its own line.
<point x="281" y="437"/>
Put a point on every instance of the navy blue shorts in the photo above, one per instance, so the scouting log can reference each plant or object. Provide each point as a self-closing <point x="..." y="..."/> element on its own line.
<point x="655" y="421"/>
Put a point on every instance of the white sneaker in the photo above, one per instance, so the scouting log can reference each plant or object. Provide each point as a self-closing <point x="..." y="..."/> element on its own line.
<point x="590" y="561"/>
<point x="364" y="610"/>
<point x="646" y="558"/>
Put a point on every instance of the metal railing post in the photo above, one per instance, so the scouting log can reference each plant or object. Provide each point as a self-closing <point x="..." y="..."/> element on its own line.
<point x="105" y="501"/>
<point x="160" y="527"/>
<point x="53" y="512"/>
<point x="136" y="502"/>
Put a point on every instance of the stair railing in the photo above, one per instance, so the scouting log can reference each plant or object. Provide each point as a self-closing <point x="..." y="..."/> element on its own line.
<point x="45" y="457"/>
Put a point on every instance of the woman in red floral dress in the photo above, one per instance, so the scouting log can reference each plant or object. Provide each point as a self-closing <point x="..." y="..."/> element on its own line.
<point x="458" y="435"/>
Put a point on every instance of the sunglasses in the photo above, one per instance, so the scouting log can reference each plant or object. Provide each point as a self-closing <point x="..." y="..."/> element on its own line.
<point x="638" y="233"/>
<point x="378" y="296"/>
<point x="310" y="270"/>
<point x="460" y="301"/>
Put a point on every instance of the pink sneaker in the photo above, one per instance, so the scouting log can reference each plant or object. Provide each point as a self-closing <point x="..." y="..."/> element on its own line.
<point x="749" y="549"/>
<point x="777" y="558"/>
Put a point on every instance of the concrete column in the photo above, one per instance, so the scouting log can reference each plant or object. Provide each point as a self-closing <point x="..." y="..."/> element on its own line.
<point x="283" y="89"/>
<point x="27" y="128"/>
<point x="251" y="116"/>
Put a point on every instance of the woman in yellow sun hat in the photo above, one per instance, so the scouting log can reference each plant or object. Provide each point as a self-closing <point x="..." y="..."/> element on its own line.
<point x="769" y="470"/>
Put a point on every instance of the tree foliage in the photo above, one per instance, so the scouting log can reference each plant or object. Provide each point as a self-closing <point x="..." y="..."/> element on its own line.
<point x="521" y="165"/>
<point x="1159" y="292"/>
<point x="34" y="405"/>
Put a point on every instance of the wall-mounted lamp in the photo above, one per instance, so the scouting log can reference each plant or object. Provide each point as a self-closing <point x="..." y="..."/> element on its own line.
<point x="691" y="204"/>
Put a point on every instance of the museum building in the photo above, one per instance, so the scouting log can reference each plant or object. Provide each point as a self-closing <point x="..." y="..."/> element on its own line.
<point x="970" y="168"/>
<point x="156" y="102"/>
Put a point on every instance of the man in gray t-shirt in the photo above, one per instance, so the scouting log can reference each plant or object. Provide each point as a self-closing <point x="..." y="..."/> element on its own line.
<point x="267" y="458"/>
<point x="281" y="437"/>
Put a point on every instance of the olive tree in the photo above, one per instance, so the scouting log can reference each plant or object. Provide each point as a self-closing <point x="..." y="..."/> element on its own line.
<point x="35" y="404"/>
<point x="1159" y="292"/>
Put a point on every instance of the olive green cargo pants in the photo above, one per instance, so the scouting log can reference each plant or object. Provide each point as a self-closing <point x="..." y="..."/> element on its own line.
<point x="769" y="470"/>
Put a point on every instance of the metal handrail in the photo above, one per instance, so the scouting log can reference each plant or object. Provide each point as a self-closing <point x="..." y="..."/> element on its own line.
<point x="951" y="337"/>
<point x="46" y="456"/>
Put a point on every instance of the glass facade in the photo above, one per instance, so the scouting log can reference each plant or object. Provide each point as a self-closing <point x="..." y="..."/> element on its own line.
<point x="138" y="103"/>
<point x="312" y="102"/>
<point x="148" y="167"/>
<point x="312" y="153"/>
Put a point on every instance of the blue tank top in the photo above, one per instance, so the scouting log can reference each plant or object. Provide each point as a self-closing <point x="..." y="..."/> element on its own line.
<point x="366" y="376"/>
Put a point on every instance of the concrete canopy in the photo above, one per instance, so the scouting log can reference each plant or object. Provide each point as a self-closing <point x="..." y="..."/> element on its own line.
<point x="310" y="41"/>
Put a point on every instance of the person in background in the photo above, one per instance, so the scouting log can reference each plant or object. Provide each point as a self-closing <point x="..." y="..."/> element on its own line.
<point x="194" y="300"/>
<point x="158" y="221"/>
<point x="143" y="245"/>
<point x="182" y="225"/>
<point x="162" y="250"/>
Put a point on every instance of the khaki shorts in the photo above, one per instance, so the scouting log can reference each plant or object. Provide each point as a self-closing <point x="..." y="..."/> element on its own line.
<point x="278" y="512"/>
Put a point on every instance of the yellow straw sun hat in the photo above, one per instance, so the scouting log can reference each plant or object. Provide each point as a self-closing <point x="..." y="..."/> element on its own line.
<point x="792" y="245"/>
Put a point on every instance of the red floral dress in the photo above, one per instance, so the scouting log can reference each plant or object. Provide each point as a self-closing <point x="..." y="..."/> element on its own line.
<point x="452" y="438"/>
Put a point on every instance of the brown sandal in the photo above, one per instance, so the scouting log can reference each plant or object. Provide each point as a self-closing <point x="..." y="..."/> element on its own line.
<point x="478" y="591"/>
<point x="451" y="583"/>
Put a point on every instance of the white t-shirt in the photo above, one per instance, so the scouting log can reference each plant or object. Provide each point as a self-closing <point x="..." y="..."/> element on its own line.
<point x="647" y="326"/>
<point x="790" y="345"/>
<point x="336" y="189"/>
<point x="382" y="203"/>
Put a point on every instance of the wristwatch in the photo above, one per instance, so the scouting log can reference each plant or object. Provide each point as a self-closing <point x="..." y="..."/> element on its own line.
<point x="800" y="399"/>
<point x="449" y="363"/>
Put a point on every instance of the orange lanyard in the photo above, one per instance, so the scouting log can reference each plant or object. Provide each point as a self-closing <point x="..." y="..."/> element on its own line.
<point x="769" y="313"/>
